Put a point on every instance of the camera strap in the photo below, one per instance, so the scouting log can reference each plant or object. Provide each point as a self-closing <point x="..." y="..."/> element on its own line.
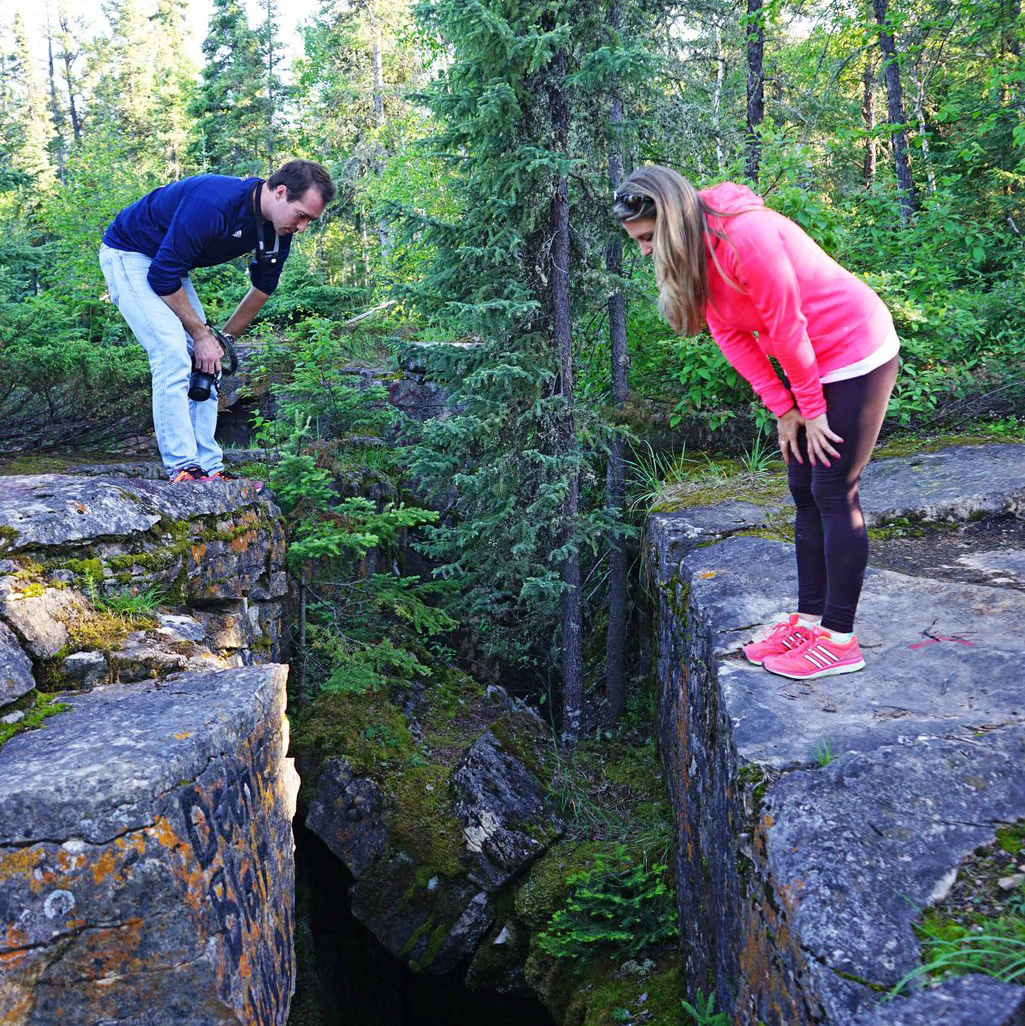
<point x="229" y="349"/>
<point x="264" y="255"/>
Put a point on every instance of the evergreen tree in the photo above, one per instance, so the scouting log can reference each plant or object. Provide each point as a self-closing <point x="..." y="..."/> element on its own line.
<point x="524" y="109"/>
<point x="232" y="108"/>
<point x="31" y="116"/>
<point x="141" y="80"/>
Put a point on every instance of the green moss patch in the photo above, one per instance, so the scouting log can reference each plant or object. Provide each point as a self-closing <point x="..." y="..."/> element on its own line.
<point x="37" y="707"/>
<point x="763" y="488"/>
<point x="422" y="819"/>
<point x="367" y="730"/>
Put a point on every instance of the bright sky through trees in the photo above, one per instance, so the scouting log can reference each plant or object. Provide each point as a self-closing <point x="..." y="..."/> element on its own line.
<point x="198" y="17"/>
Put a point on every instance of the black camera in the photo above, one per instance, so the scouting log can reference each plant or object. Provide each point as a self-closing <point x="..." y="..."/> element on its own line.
<point x="201" y="382"/>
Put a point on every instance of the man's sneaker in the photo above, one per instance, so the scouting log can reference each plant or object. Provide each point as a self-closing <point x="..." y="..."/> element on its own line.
<point x="192" y="473"/>
<point x="782" y="638"/>
<point x="818" y="656"/>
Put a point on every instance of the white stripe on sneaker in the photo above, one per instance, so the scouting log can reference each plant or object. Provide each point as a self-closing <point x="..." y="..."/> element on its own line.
<point x="810" y="656"/>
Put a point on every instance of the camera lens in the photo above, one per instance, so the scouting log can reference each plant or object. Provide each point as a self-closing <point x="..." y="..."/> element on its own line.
<point x="200" y="384"/>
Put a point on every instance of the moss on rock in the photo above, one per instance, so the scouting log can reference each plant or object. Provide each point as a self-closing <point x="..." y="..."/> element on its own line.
<point x="367" y="730"/>
<point x="422" y="819"/>
<point x="36" y="706"/>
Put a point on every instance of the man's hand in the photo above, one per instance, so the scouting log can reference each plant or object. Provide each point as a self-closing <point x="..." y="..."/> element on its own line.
<point x="206" y="352"/>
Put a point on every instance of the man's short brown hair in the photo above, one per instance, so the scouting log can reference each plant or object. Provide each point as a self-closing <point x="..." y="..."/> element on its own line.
<point x="299" y="175"/>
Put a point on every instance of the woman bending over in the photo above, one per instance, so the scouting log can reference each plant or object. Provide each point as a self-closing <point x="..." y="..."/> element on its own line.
<point x="764" y="288"/>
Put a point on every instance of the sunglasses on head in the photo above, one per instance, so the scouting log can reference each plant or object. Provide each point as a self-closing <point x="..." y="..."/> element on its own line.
<point x="631" y="204"/>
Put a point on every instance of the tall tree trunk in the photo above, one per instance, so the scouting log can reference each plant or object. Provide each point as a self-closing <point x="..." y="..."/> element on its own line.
<point x="615" y="639"/>
<point x="270" y="87"/>
<point x="378" y="71"/>
<point x="868" y="113"/>
<point x="55" y="111"/>
<point x="755" y="23"/>
<point x="571" y="604"/>
<point x="66" y="58"/>
<point x="895" y="114"/>
<point x="720" y="74"/>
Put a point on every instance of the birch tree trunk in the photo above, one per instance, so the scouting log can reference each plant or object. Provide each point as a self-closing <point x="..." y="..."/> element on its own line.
<point x="720" y="74"/>
<point x="919" y="106"/>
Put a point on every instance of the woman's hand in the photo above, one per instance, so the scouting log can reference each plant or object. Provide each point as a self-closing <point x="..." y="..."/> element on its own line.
<point x="787" y="427"/>
<point x="820" y="438"/>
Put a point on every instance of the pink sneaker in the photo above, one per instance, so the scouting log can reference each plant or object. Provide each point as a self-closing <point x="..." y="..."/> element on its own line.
<point x="779" y="640"/>
<point x="818" y="656"/>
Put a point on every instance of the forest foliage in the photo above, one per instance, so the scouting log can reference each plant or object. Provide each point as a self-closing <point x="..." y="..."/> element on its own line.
<point x="452" y="128"/>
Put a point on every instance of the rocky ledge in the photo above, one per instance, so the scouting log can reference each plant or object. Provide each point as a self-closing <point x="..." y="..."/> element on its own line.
<point x="146" y="854"/>
<point x="816" y="821"/>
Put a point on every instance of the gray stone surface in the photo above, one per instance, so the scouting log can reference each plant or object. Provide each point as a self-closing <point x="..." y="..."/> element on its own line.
<point x="146" y="871"/>
<point x="800" y="882"/>
<point x="864" y="844"/>
<point x="913" y="684"/>
<point x="1003" y="566"/>
<point x="431" y="924"/>
<point x="58" y="509"/>
<point x="953" y="484"/>
<point x="15" y="668"/>
<point x="86" y="668"/>
<point x="963" y="1001"/>
<point x="346" y="813"/>
<point x="504" y="811"/>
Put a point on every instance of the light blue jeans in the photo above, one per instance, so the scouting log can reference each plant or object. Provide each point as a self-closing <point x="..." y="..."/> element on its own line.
<point x="185" y="429"/>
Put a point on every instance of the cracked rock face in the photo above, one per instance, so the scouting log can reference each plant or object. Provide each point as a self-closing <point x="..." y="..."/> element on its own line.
<point x="501" y="805"/>
<point x="429" y="917"/>
<point x="15" y="668"/>
<point x="816" y="819"/>
<point x="146" y="871"/>
<point x="39" y="616"/>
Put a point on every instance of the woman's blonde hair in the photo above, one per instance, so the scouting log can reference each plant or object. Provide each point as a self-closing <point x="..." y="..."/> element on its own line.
<point x="678" y="242"/>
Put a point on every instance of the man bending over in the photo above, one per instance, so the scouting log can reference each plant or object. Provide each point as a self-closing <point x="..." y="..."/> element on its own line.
<point x="147" y="255"/>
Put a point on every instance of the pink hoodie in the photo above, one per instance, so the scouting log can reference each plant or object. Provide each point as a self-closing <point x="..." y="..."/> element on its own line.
<point x="810" y="314"/>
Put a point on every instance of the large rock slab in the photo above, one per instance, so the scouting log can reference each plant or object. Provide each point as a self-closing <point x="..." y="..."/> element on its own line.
<point x="962" y="1001"/>
<point x="817" y="819"/>
<point x="146" y="870"/>
<point x="943" y="657"/>
<point x="220" y="544"/>
<point x="39" y="616"/>
<point x="956" y="483"/>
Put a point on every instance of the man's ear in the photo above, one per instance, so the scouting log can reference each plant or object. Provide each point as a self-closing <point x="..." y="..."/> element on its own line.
<point x="281" y="192"/>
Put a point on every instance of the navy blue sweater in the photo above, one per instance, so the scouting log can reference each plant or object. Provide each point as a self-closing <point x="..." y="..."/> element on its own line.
<point x="197" y="222"/>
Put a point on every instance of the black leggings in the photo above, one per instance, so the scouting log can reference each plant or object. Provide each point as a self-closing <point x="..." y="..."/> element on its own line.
<point x="832" y="543"/>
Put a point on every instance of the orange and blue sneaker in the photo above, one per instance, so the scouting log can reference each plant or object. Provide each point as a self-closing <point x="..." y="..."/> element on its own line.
<point x="818" y="656"/>
<point x="782" y="638"/>
<point x="193" y="473"/>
